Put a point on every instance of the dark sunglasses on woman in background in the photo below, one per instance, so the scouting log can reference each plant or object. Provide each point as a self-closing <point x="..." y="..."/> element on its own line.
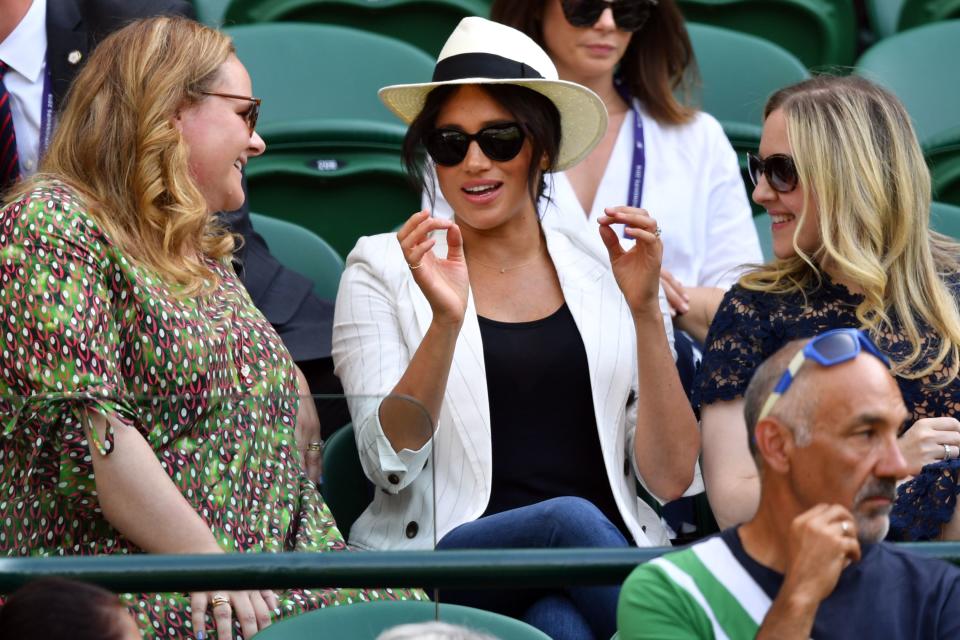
<point x="499" y="142"/>
<point x="252" y="112"/>
<point x="778" y="168"/>
<point x="629" y="15"/>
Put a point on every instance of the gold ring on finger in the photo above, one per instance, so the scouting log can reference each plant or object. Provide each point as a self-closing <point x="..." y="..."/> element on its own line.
<point x="414" y="267"/>
<point x="315" y="446"/>
<point x="218" y="600"/>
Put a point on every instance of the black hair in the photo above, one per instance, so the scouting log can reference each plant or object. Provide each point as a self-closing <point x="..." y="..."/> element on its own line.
<point x="59" y="609"/>
<point x="535" y="112"/>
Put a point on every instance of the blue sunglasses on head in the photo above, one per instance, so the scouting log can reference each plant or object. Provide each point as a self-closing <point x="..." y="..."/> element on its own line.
<point x="827" y="349"/>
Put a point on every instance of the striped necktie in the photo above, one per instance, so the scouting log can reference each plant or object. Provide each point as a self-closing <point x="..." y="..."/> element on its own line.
<point x="9" y="160"/>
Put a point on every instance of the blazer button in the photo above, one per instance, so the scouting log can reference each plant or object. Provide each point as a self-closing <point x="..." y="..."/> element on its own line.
<point x="412" y="529"/>
<point x="393" y="478"/>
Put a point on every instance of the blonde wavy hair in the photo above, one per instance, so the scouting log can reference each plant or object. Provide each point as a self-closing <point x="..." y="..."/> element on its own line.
<point x="116" y="145"/>
<point x="858" y="158"/>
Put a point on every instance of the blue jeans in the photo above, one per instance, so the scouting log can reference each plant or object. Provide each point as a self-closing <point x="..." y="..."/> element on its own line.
<point x="577" y="613"/>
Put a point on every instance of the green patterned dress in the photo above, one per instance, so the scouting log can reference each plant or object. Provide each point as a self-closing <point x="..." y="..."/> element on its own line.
<point x="205" y="380"/>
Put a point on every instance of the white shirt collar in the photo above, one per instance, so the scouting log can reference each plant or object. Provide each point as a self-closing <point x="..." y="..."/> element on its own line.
<point x="25" y="49"/>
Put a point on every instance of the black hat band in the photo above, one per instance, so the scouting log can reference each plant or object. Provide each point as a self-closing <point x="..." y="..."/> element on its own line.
<point x="482" y="65"/>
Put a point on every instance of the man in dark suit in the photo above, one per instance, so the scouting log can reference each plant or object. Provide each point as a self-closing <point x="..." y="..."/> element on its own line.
<point x="286" y="298"/>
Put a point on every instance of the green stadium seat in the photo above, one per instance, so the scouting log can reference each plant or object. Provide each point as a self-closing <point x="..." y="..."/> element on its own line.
<point x="423" y="23"/>
<point x="367" y="620"/>
<point x="945" y="218"/>
<point x="914" y="13"/>
<point x="303" y="251"/>
<point x="332" y="163"/>
<point x="311" y="71"/>
<point x="943" y="156"/>
<point x="910" y="64"/>
<point x="818" y="32"/>
<point x="883" y="15"/>
<point x="740" y="71"/>
<point x="341" y="179"/>
<point x="346" y="489"/>
<point x="210" y="12"/>
<point x="886" y="17"/>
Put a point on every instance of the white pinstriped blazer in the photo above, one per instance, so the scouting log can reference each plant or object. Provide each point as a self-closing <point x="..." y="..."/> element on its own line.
<point x="381" y="316"/>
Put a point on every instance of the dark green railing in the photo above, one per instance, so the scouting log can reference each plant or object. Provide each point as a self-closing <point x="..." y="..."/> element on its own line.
<point x="427" y="569"/>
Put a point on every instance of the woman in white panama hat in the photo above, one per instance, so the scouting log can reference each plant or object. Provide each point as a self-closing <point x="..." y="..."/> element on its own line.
<point x="518" y="341"/>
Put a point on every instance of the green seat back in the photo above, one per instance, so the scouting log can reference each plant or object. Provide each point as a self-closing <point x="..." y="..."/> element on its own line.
<point x="366" y="620"/>
<point x="340" y="179"/>
<point x="314" y="71"/>
<point x="332" y="163"/>
<point x="423" y="23"/>
<point x="883" y="15"/>
<point x="739" y="72"/>
<point x="907" y="63"/>
<point x="210" y="12"/>
<point x="346" y="489"/>
<point x="943" y="157"/>
<point x="303" y="251"/>
<point x="914" y="13"/>
<point x="945" y="218"/>
<point x="818" y="32"/>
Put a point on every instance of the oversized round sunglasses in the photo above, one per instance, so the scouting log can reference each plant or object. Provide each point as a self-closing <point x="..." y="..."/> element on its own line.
<point x="499" y="142"/>
<point x="629" y="15"/>
<point x="779" y="169"/>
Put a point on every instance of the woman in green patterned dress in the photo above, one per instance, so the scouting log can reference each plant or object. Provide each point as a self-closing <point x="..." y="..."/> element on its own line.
<point x="151" y="407"/>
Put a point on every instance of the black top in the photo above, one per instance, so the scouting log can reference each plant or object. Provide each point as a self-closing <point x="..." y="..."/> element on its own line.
<point x="543" y="428"/>
<point x="751" y="325"/>
<point x="889" y="593"/>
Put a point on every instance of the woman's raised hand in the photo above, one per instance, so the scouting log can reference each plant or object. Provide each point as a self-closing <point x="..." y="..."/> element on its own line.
<point x="638" y="270"/>
<point x="443" y="281"/>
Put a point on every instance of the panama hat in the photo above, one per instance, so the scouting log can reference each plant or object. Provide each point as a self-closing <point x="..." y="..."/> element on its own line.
<point x="480" y="51"/>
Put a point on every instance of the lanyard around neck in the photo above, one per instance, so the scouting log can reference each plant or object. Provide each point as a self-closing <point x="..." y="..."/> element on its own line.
<point x="46" y="114"/>
<point x="637" y="172"/>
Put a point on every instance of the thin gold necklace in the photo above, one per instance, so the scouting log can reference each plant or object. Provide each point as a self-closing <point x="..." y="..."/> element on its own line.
<point x="514" y="267"/>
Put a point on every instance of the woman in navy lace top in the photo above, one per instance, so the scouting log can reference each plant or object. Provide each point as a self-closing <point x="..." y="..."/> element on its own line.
<point x="843" y="178"/>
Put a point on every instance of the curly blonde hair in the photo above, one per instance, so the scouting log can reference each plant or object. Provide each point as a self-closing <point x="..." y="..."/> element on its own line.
<point x="858" y="158"/>
<point x="116" y="145"/>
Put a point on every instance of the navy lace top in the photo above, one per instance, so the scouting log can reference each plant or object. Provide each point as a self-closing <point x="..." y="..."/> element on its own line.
<point x="751" y="325"/>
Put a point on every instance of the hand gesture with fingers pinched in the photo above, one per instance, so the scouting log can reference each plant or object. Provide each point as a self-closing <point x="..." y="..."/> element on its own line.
<point x="443" y="281"/>
<point x="822" y="542"/>
<point x="637" y="271"/>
